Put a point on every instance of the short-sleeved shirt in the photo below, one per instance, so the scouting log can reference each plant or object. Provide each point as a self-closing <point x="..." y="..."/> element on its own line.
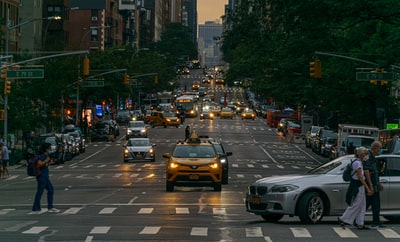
<point x="4" y="153"/>
<point x="357" y="164"/>
<point x="44" y="169"/>
<point x="372" y="167"/>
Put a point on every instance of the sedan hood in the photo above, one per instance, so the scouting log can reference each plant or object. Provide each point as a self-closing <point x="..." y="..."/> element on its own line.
<point x="138" y="148"/>
<point x="287" y="179"/>
<point x="194" y="161"/>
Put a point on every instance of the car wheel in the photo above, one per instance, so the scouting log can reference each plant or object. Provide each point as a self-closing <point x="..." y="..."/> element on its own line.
<point x="170" y="187"/>
<point x="310" y="208"/>
<point x="218" y="187"/>
<point x="272" y="217"/>
<point x="177" y="126"/>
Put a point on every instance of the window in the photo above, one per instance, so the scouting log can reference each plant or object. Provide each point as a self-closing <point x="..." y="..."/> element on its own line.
<point x="53" y="10"/>
<point x="94" y="35"/>
<point x="392" y="167"/>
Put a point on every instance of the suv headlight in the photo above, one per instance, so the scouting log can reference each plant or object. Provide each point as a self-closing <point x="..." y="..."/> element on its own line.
<point x="143" y="131"/>
<point x="223" y="160"/>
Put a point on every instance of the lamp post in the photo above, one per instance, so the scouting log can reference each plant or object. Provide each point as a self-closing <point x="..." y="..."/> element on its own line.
<point x="10" y="27"/>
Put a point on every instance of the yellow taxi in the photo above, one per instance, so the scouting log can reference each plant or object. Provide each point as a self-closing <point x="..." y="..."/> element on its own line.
<point x="226" y="113"/>
<point x="193" y="162"/>
<point x="166" y="119"/>
<point x="216" y="110"/>
<point x="248" y="113"/>
<point x="195" y="86"/>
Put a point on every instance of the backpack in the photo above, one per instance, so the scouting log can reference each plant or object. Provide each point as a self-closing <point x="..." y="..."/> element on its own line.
<point x="347" y="173"/>
<point x="32" y="166"/>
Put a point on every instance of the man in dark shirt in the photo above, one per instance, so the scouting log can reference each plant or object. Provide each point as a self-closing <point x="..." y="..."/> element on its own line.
<point x="372" y="175"/>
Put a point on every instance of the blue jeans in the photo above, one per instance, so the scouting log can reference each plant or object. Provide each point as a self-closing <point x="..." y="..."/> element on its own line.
<point x="43" y="183"/>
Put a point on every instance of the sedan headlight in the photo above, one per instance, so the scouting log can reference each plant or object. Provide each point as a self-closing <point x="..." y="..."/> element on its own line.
<point x="151" y="150"/>
<point x="128" y="131"/>
<point x="168" y="120"/>
<point x="223" y="160"/>
<point x="143" y="131"/>
<point x="284" y="188"/>
<point x="173" y="165"/>
<point x="126" y="151"/>
<point x="211" y="115"/>
<point x="214" y="165"/>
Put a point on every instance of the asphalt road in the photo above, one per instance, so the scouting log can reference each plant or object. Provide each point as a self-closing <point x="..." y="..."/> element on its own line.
<point x="103" y="199"/>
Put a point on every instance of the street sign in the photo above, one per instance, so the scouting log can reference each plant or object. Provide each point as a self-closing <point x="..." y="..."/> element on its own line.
<point x="93" y="84"/>
<point x="379" y="76"/>
<point x="25" y="74"/>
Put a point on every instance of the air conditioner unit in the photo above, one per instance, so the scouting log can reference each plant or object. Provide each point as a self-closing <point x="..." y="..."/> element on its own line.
<point x="94" y="18"/>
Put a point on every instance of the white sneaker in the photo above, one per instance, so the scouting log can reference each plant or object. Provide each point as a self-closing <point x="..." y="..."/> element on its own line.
<point x="36" y="212"/>
<point x="54" y="210"/>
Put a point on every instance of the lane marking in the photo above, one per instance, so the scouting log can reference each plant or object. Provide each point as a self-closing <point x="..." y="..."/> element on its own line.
<point x="100" y="230"/>
<point x="344" y="233"/>
<point x="300" y="233"/>
<point x="35" y="230"/>
<point x="389" y="233"/>
<point x="182" y="210"/>
<point x="145" y="210"/>
<point x="199" y="231"/>
<point x="254" y="232"/>
<point x="107" y="210"/>
<point x="150" y="230"/>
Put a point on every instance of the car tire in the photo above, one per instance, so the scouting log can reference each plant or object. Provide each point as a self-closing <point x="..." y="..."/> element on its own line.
<point x="272" y="218"/>
<point x="169" y="187"/>
<point x="218" y="187"/>
<point x="177" y="126"/>
<point x="310" y="208"/>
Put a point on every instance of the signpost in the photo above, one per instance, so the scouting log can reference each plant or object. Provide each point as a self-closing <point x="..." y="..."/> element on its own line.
<point x="25" y="74"/>
<point x="93" y="84"/>
<point x="378" y="76"/>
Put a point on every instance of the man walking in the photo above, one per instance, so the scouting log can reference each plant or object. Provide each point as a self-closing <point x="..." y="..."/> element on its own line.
<point x="5" y="158"/>
<point x="372" y="176"/>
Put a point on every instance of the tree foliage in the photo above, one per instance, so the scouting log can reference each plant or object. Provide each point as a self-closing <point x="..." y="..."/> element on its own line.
<point x="273" y="41"/>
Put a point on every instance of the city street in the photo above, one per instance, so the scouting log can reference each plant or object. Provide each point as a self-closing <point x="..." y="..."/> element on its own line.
<point x="103" y="199"/>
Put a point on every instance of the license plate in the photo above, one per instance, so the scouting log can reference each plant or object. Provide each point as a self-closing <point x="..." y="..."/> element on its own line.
<point x="193" y="177"/>
<point x="139" y="156"/>
<point x="255" y="200"/>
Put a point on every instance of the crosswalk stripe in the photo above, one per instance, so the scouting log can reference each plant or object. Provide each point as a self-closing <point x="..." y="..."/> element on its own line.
<point x="219" y="211"/>
<point x="300" y="233"/>
<point x="35" y="230"/>
<point x="344" y="233"/>
<point x="265" y="166"/>
<point x="117" y="175"/>
<point x="6" y="210"/>
<point x="107" y="210"/>
<point x="145" y="210"/>
<point x="250" y="165"/>
<point x="134" y="175"/>
<point x="240" y="175"/>
<point x="150" y="230"/>
<point x="254" y="232"/>
<point x="199" y="231"/>
<point x="235" y="165"/>
<point x="389" y="233"/>
<point x="182" y="210"/>
<point x="100" y="230"/>
<point x="72" y="211"/>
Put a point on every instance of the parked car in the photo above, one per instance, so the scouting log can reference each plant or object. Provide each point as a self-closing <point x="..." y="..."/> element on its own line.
<point x="327" y="143"/>
<point x="282" y="124"/>
<point x="311" y="134"/>
<point x="79" y="140"/>
<point x="139" y="149"/>
<point x="317" y="140"/>
<point x="320" y="192"/>
<point x="393" y="147"/>
<point x="55" y="148"/>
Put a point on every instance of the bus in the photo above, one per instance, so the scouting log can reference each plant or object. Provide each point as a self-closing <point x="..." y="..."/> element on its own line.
<point x="187" y="104"/>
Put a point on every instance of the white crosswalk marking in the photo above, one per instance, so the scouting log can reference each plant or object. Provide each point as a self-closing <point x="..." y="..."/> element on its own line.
<point x="134" y="175"/>
<point x="35" y="230"/>
<point x="389" y="233"/>
<point x="250" y="165"/>
<point x="219" y="211"/>
<point x="101" y="166"/>
<point x="88" y="166"/>
<point x="150" y="230"/>
<point x="117" y="175"/>
<point x="107" y="210"/>
<point x="235" y="165"/>
<point x="182" y="210"/>
<point x="300" y="233"/>
<point x="254" y="232"/>
<point x="72" y="210"/>
<point x="265" y="166"/>
<point x="258" y="176"/>
<point x="6" y="210"/>
<point x="199" y="231"/>
<point x="240" y="175"/>
<point x="145" y="210"/>
<point x="100" y="230"/>
<point x="280" y="166"/>
<point x="345" y="233"/>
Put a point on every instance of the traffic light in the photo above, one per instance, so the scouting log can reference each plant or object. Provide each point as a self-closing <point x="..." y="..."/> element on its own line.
<point x="126" y="79"/>
<point x="7" y="87"/>
<point x="384" y="82"/>
<point x="68" y="112"/>
<point x="3" y="73"/>
<point x="373" y="82"/>
<point x="315" y="69"/>
<point x="86" y="66"/>
<point x="156" y="79"/>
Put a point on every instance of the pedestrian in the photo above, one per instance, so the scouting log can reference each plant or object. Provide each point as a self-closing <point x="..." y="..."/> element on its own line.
<point x="372" y="176"/>
<point x="182" y="116"/>
<point x="355" y="195"/>
<point x="43" y="181"/>
<point x="5" y="159"/>
<point x="187" y="132"/>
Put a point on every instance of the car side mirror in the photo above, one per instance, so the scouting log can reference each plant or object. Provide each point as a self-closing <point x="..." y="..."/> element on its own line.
<point x="229" y="153"/>
<point x="154" y="145"/>
<point x="167" y="155"/>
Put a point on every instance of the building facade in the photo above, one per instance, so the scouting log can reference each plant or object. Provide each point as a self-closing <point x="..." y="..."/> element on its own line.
<point x="209" y="43"/>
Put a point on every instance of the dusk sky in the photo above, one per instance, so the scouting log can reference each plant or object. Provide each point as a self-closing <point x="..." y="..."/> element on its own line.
<point x="210" y="10"/>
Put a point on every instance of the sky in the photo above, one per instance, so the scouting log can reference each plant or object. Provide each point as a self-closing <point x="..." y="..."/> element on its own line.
<point x="210" y="10"/>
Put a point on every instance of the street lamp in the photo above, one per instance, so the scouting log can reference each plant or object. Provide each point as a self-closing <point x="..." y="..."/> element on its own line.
<point x="10" y="27"/>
